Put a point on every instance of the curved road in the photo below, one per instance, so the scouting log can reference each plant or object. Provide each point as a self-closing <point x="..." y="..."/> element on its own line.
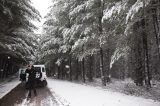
<point x="18" y="97"/>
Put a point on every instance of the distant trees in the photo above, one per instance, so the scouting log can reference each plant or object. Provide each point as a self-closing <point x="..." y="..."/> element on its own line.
<point x="102" y="38"/>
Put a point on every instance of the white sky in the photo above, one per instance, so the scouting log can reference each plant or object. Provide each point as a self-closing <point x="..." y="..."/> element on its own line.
<point x="42" y="6"/>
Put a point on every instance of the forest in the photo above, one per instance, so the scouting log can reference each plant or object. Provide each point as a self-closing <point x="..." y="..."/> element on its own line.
<point x="17" y="38"/>
<point x="84" y="39"/>
<point x="87" y="39"/>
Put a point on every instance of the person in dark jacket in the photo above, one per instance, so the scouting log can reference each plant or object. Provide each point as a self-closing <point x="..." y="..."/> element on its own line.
<point x="31" y="80"/>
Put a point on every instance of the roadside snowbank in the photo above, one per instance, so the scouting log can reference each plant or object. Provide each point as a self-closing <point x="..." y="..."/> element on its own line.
<point x="7" y="86"/>
<point x="81" y="95"/>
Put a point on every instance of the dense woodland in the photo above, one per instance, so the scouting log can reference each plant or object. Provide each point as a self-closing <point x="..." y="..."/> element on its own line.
<point x="84" y="39"/>
<point x="17" y="37"/>
<point x="87" y="39"/>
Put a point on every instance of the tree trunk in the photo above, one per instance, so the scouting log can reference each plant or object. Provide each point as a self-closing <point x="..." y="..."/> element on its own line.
<point x="77" y="69"/>
<point x="146" y="57"/>
<point x="108" y="66"/>
<point x="90" y="68"/>
<point x="138" y="56"/>
<point x="83" y="71"/>
<point x="58" y="72"/>
<point x="156" y="31"/>
<point x="145" y="47"/>
<point x="103" y="76"/>
<point x="63" y="74"/>
<point x="70" y="67"/>
<point x="83" y="67"/>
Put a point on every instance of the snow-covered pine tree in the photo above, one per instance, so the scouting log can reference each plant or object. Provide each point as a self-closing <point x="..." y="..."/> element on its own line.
<point x="16" y="33"/>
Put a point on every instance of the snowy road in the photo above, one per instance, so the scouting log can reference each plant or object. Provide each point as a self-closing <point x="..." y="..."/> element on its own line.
<point x="64" y="93"/>
<point x="72" y="94"/>
<point x="18" y="97"/>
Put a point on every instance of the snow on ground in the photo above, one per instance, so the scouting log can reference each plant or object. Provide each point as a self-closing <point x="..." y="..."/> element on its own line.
<point x="7" y="86"/>
<point x="73" y="94"/>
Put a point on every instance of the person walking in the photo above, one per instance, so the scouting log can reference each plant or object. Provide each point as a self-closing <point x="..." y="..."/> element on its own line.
<point x="31" y="79"/>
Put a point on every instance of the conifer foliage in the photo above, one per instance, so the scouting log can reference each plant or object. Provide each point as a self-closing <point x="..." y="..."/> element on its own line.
<point x="17" y="39"/>
<point x="84" y="39"/>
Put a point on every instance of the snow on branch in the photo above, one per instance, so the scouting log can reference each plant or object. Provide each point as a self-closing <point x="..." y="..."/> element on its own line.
<point x="135" y="8"/>
<point x="116" y="9"/>
<point x="77" y="10"/>
<point x="119" y="52"/>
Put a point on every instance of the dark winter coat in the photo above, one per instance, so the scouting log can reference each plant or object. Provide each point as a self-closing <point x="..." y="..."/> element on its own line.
<point x="32" y="74"/>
